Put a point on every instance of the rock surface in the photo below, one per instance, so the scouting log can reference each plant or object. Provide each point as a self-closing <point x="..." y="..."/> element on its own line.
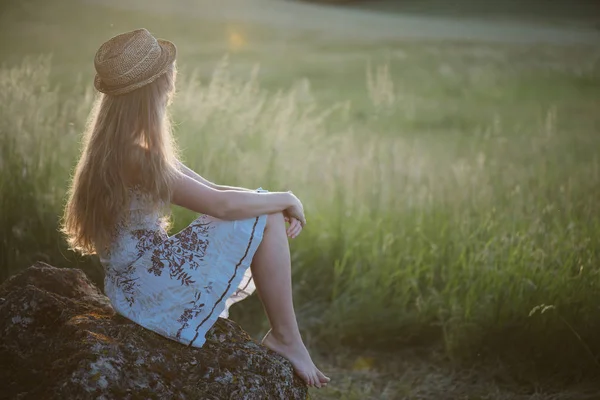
<point x="61" y="339"/>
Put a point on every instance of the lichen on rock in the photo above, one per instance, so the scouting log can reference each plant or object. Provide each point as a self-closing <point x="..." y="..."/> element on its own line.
<point x="61" y="339"/>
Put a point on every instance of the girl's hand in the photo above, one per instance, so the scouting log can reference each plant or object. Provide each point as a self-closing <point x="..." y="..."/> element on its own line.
<point x="295" y="211"/>
<point x="294" y="229"/>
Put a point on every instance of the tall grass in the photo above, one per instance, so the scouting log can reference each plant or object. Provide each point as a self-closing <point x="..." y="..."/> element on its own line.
<point x="39" y="137"/>
<point x="415" y="234"/>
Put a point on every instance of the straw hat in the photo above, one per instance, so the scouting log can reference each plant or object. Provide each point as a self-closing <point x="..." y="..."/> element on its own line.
<point x="131" y="60"/>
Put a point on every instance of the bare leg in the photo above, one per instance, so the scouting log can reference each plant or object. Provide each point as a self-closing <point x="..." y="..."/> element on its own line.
<point x="271" y="271"/>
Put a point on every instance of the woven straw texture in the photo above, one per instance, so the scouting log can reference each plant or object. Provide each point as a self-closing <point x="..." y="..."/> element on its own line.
<point x="131" y="60"/>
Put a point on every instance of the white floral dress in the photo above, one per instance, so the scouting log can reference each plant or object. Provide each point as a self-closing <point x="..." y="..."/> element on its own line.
<point x="177" y="286"/>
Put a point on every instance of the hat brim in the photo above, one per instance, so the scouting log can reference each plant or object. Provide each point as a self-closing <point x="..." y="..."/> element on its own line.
<point x="167" y="57"/>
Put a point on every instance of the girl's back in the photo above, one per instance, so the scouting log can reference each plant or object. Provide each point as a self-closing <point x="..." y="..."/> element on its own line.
<point x="138" y="227"/>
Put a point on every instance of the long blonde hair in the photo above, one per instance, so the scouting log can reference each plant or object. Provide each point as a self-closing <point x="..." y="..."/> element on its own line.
<point x="127" y="142"/>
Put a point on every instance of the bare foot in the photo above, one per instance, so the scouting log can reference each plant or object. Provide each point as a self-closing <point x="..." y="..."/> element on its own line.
<point x="295" y="351"/>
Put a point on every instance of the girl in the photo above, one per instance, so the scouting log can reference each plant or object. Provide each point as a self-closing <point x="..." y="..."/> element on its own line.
<point x="124" y="181"/>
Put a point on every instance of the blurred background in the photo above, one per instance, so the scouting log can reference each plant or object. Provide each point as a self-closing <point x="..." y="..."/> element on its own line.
<point x="447" y="153"/>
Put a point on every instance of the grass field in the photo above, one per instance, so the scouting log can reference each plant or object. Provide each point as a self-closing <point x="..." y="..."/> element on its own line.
<point x="452" y="189"/>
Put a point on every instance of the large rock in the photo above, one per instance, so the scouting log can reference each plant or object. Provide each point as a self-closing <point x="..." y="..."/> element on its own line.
<point x="61" y="339"/>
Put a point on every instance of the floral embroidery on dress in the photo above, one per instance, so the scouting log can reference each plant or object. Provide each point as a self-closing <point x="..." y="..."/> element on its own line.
<point x="222" y="297"/>
<point x="189" y="313"/>
<point x="125" y="281"/>
<point x="184" y="250"/>
<point x="178" y="285"/>
<point x="147" y="239"/>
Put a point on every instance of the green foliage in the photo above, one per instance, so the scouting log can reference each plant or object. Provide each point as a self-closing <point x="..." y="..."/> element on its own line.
<point x="39" y="137"/>
<point x="428" y="219"/>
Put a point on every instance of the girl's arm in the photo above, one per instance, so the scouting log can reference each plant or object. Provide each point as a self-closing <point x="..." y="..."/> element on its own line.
<point x="232" y="204"/>
<point x="192" y="174"/>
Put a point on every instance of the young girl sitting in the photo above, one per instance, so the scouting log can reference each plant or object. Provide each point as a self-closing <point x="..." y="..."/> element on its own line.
<point x="128" y="174"/>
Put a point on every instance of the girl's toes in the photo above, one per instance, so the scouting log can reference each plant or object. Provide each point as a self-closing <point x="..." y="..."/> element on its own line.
<point x="322" y="377"/>
<point x="306" y="378"/>
<point x="316" y="380"/>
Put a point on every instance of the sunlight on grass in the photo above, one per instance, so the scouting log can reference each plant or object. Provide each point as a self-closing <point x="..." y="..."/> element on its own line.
<point x="451" y="189"/>
<point x="420" y="236"/>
